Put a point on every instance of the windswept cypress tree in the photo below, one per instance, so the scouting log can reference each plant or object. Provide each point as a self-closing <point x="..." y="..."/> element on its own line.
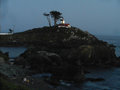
<point x="56" y="15"/>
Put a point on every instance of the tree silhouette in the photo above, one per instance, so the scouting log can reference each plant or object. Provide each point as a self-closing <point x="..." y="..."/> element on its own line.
<point x="48" y="18"/>
<point x="56" y="16"/>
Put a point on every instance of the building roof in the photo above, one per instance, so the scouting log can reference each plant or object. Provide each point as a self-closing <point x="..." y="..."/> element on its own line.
<point x="63" y="24"/>
<point x="6" y="33"/>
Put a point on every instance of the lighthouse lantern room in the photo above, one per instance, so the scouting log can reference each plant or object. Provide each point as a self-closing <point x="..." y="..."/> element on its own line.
<point x="63" y="24"/>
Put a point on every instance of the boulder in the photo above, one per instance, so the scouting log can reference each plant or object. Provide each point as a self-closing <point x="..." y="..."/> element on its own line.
<point x="41" y="61"/>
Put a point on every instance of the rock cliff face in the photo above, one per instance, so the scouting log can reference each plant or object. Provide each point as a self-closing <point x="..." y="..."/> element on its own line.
<point x="63" y="51"/>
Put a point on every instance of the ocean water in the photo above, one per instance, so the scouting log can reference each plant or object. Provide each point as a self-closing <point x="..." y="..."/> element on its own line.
<point x="13" y="51"/>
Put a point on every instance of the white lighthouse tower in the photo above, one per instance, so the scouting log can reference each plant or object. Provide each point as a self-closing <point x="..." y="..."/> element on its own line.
<point x="62" y="21"/>
<point x="63" y="24"/>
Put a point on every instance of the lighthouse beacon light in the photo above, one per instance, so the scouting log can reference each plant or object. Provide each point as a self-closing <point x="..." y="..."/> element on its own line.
<point x="63" y="24"/>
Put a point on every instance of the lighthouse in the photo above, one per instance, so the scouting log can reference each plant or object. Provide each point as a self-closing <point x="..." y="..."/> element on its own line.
<point x="63" y="24"/>
<point x="62" y="21"/>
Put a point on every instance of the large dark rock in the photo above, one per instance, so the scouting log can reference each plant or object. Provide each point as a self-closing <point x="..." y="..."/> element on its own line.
<point x="40" y="61"/>
<point x="63" y="51"/>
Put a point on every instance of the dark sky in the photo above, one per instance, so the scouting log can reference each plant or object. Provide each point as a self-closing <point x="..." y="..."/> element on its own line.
<point x="100" y="17"/>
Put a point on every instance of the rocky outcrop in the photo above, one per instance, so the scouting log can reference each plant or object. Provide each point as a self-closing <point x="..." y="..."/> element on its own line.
<point x="40" y="61"/>
<point x="64" y="52"/>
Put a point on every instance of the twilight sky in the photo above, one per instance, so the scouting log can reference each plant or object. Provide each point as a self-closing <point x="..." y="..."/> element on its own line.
<point x="101" y="17"/>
